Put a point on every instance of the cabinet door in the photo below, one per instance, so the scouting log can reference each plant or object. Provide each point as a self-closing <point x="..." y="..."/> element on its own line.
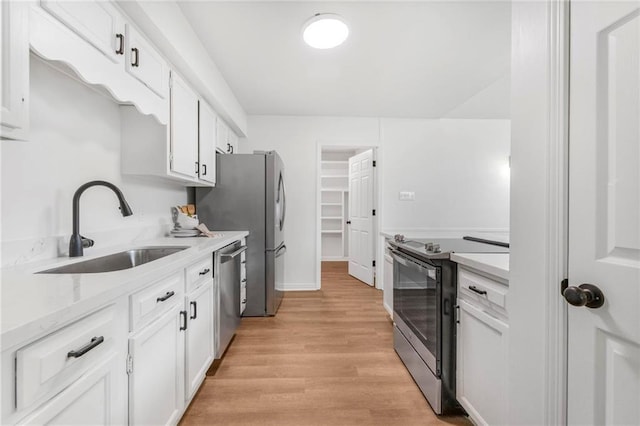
<point x="233" y="141"/>
<point x="97" y="22"/>
<point x="145" y="63"/>
<point x="222" y="137"/>
<point x="482" y="365"/>
<point x="91" y="400"/>
<point x="207" y="143"/>
<point x="156" y="378"/>
<point x="387" y="284"/>
<point x="14" y="81"/>
<point x="199" y="337"/>
<point x="184" y="128"/>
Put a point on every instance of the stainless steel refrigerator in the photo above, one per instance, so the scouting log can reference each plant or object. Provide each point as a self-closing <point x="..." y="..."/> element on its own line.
<point x="250" y="195"/>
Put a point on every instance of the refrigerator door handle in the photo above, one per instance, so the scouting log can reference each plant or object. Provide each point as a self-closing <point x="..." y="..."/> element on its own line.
<point x="284" y="202"/>
<point x="277" y="249"/>
<point x="281" y="250"/>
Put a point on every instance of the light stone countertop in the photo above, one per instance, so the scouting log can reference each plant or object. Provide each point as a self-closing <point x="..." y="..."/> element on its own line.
<point x="496" y="264"/>
<point x="413" y="234"/>
<point x="33" y="303"/>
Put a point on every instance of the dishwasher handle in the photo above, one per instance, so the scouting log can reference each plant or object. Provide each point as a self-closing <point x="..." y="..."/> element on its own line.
<point x="225" y="257"/>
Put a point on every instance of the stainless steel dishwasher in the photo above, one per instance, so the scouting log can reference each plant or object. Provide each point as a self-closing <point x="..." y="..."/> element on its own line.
<point x="227" y="296"/>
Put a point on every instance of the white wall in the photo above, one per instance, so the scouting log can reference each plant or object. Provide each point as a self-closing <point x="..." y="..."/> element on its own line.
<point x="74" y="138"/>
<point x="458" y="170"/>
<point x="455" y="167"/>
<point x="492" y="102"/>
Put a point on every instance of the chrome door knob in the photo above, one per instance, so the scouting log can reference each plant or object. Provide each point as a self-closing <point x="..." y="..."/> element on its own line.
<point x="584" y="295"/>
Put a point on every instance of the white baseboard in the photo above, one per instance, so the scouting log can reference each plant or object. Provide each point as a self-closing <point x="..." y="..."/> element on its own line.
<point x="300" y="287"/>
<point x="388" y="309"/>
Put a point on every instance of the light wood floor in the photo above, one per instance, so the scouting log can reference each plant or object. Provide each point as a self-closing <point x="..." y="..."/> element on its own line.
<point x="326" y="358"/>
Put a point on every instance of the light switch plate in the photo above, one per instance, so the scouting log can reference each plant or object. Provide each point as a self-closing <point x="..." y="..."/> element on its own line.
<point x="407" y="195"/>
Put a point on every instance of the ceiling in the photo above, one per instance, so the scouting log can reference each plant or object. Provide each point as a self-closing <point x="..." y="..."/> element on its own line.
<point x="402" y="59"/>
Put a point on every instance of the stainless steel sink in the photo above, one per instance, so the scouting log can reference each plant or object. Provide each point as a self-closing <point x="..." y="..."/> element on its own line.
<point x="117" y="261"/>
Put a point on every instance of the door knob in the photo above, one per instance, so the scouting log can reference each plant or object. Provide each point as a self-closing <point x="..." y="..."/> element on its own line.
<point x="584" y="295"/>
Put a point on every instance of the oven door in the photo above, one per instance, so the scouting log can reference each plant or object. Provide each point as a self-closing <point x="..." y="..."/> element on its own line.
<point x="416" y="306"/>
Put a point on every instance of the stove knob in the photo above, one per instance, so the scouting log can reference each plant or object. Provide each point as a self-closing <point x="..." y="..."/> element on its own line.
<point x="436" y="248"/>
<point x="428" y="246"/>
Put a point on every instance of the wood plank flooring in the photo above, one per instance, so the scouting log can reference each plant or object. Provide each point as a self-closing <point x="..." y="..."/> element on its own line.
<point x="326" y="358"/>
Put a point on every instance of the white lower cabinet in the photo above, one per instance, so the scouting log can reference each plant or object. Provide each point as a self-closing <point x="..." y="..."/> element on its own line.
<point x="482" y="365"/>
<point x="156" y="370"/>
<point x="199" y="347"/>
<point x="482" y="348"/>
<point x="89" y="401"/>
<point x="161" y="338"/>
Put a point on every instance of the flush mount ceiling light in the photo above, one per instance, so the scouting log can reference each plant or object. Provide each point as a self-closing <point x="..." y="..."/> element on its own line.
<point x="325" y="30"/>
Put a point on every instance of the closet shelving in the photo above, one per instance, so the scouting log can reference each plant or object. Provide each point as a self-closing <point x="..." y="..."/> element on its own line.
<point x="334" y="183"/>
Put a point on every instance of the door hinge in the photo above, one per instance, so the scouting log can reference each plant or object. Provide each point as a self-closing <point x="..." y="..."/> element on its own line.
<point x="129" y="364"/>
<point x="374" y="263"/>
<point x="373" y="213"/>
<point x="563" y="286"/>
<point x="374" y="163"/>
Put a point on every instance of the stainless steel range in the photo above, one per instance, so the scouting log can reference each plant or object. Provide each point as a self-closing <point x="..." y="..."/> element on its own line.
<point x="424" y="300"/>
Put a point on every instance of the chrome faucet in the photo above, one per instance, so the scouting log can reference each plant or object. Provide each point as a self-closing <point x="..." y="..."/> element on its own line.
<point x="77" y="242"/>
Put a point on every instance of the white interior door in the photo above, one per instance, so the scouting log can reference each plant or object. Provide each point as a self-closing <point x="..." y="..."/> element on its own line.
<point x="361" y="240"/>
<point x="604" y="213"/>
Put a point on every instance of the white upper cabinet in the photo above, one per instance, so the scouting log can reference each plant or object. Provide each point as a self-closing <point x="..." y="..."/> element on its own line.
<point x="95" y="39"/>
<point x="99" y="23"/>
<point x="184" y="151"/>
<point x="222" y="133"/>
<point x="207" y="143"/>
<point x="184" y="128"/>
<point x="227" y="140"/>
<point x="14" y="80"/>
<point x="145" y="63"/>
<point x="233" y="141"/>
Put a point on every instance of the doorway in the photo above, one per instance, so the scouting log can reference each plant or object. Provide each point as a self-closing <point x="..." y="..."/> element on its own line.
<point x="346" y="189"/>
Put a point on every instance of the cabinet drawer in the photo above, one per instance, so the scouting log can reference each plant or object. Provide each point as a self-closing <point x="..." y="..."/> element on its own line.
<point x="482" y="291"/>
<point x="156" y="299"/>
<point x="200" y="272"/>
<point x="55" y="361"/>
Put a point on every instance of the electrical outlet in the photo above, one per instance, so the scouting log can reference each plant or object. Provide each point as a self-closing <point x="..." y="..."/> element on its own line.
<point x="407" y="195"/>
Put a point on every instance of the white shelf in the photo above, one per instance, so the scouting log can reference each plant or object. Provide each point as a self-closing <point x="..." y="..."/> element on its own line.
<point x="334" y="189"/>
<point x="331" y="204"/>
<point x="332" y="217"/>
<point x="334" y="176"/>
<point x="340" y="162"/>
<point x="332" y="231"/>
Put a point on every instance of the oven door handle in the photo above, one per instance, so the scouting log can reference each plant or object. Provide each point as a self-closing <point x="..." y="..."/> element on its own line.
<point x="420" y="267"/>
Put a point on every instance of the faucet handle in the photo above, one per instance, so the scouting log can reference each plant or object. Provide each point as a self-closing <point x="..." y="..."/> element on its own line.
<point x="86" y="242"/>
